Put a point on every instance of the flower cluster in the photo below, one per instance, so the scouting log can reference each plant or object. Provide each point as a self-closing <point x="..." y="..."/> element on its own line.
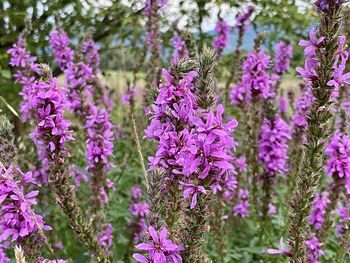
<point x="318" y="211"/>
<point x="180" y="49"/>
<point x="99" y="143"/>
<point x="255" y="81"/>
<point x="105" y="237"/>
<point x="309" y="71"/>
<point x="78" y="77"/>
<point x="283" y="54"/>
<point x="99" y="147"/>
<point x="314" y="248"/>
<point x="302" y="107"/>
<point x="344" y="215"/>
<point x="48" y="102"/>
<point x="128" y="96"/>
<point x="17" y="219"/>
<point x="283" y="104"/>
<point x="148" y="6"/>
<point x="222" y="34"/>
<point x="338" y="164"/>
<point x="3" y="256"/>
<point x="208" y="157"/>
<point x="77" y="174"/>
<point x="63" y="54"/>
<point x="159" y="248"/>
<point x="27" y="67"/>
<point x="139" y="210"/>
<point x="273" y="145"/>
<point x="324" y="5"/>
<point x="171" y="114"/>
<point x="193" y="144"/>
<point x="91" y="54"/>
<point x="243" y="19"/>
<point x="242" y="208"/>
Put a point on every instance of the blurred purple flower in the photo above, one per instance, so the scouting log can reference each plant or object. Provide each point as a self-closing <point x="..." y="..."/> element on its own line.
<point x="222" y="36"/>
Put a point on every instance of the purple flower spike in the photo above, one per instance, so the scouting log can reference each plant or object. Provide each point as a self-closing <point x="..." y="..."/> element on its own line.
<point x="338" y="164"/>
<point x="273" y="145"/>
<point x="180" y="49"/>
<point x="314" y="249"/>
<point x="222" y="31"/>
<point x="283" y="54"/>
<point x="63" y="54"/>
<point x="319" y="210"/>
<point x="255" y="82"/>
<point x="16" y="217"/>
<point x="27" y="67"/>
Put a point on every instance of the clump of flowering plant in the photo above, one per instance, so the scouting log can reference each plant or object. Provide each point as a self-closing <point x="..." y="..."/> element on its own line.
<point x="27" y="68"/>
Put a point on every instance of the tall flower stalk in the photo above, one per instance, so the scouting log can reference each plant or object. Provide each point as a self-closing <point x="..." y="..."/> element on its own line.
<point x="47" y="103"/>
<point x="18" y="196"/>
<point x="273" y="148"/>
<point x="242" y="23"/>
<point x="151" y="11"/>
<point x="321" y="73"/>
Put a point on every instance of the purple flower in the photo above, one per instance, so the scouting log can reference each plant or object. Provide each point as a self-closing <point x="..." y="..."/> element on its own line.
<point x="136" y="193"/>
<point x="3" y="257"/>
<point x="255" y="82"/>
<point x="63" y="54"/>
<point x="17" y="219"/>
<point x="338" y="164"/>
<point x="180" y="49"/>
<point x="283" y="54"/>
<point x="318" y="210"/>
<point x="273" y="145"/>
<point x="339" y="79"/>
<point x="48" y="102"/>
<point x="147" y="9"/>
<point x="283" y="104"/>
<point x="105" y="238"/>
<point x="344" y="220"/>
<point x="222" y="34"/>
<point x="282" y="251"/>
<point x="192" y="191"/>
<point x="139" y="209"/>
<point x="78" y="77"/>
<point x="91" y="54"/>
<point x="302" y="106"/>
<point x="311" y="45"/>
<point x="243" y="19"/>
<point x="77" y="174"/>
<point x="128" y="96"/>
<point x="325" y="5"/>
<point x="242" y="208"/>
<point x="241" y="164"/>
<point x="99" y="143"/>
<point x="272" y="209"/>
<point x="27" y="67"/>
<point x="159" y="248"/>
<point x="314" y="249"/>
